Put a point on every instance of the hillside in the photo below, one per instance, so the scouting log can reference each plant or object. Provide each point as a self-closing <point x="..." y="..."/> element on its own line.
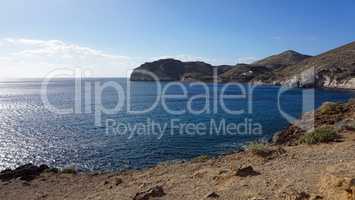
<point x="175" y="70"/>
<point x="263" y="70"/>
<point x="245" y="73"/>
<point x="281" y="60"/>
<point x="335" y="68"/>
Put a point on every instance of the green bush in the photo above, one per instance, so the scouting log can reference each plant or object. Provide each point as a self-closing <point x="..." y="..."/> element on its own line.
<point x="255" y="146"/>
<point x="260" y="149"/>
<point x="69" y="170"/>
<point x="320" y="135"/>
<point x="202" y="158"/>
<point x="52" y="170"/>
<point x="331" y="108"/>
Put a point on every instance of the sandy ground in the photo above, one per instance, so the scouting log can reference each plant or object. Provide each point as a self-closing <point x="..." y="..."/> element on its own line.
<point x="299" y="173"/>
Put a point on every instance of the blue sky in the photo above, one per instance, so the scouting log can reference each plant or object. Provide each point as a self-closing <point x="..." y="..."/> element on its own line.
<point x="124" y="33"/>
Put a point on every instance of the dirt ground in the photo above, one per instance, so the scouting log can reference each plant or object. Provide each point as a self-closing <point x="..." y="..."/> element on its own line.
<point x="299" y="172"/>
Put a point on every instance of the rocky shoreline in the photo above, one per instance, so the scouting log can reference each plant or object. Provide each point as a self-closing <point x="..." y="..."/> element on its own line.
<point x="302" y="162"/>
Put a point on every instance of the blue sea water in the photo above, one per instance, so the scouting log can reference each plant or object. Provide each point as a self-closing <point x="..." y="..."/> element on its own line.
<point x="29" y="132"/>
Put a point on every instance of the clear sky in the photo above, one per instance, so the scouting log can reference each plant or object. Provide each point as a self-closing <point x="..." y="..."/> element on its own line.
<point x="112" y="36"/>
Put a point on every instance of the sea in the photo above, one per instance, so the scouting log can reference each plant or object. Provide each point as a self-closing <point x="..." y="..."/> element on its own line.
<point x="106" y="124"/>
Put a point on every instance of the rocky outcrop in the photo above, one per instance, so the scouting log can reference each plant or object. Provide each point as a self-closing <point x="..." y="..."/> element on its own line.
<point x="26" y="172"/>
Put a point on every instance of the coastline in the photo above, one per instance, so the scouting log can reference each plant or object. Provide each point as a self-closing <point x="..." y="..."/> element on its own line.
<point x="283" y="169"/>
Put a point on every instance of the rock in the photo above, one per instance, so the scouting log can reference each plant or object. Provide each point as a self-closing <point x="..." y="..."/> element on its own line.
<point x="256" y="198"/>
<point x="247" y="171"/>
<point x="288" y="136"/>
<point x="118" y="181"/>
<point x="212" y="195"/>
<point x="316" y="197"/>
<point x="26" y="172"/>
<point x="275" y="138"/>
<point x="299" y="196"/>
<point x="156" y="191"/>
<point x="295" y="195"/>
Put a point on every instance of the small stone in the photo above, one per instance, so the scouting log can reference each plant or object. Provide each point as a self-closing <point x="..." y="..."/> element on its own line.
<point x="156" y="191"/>
<point x="294" y="195"/>
<point x="212" y="195"/>
<point x="247" y="171"/>
<point x="118" y="181"/>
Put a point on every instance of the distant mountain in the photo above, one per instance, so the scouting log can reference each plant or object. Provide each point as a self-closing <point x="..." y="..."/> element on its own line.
<point x="175" y="70"/>
<point x="282" y="60"/>
<point x="335" y="68"/>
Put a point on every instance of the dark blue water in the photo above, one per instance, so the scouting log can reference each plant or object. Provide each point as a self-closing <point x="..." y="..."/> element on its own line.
<point x="29" y="132"/>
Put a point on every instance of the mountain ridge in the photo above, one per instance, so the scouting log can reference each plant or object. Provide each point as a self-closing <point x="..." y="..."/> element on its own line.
<point x="334" y="68"/>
